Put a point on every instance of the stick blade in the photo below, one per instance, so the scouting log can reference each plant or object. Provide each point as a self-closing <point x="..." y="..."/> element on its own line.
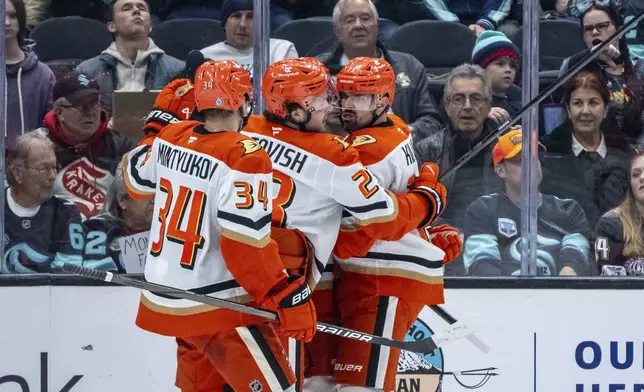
<point x="455" y="332"/>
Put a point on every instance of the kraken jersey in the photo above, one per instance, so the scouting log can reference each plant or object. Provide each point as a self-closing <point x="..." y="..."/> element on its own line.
<point x="493" y="236"/>
<point x="211" y="226"/>
<point x="41" y="239"/>
<point x="410" y="268"/>
<point x="102" y="250"/>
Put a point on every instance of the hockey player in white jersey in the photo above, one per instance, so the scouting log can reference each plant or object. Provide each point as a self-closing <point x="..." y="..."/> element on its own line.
<point x="318" y="175"/>
<point x="382" y="287"/>
<point x="211" y="234"/>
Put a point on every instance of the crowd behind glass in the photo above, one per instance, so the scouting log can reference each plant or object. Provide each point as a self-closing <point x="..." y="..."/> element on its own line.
<point x="66" y="200"/>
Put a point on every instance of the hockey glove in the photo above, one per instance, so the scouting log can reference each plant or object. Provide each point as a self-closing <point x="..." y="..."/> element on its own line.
<point x="294" y="249"/>
<point x="427" y="185"/>
<point x="297" y="318"/>
<point x="446" y="238"/>
<point x="174" y="103"/>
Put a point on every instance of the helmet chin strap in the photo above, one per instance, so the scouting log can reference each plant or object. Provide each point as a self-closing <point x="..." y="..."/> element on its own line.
<point x="244" y="117"/>
<point x="375" y="116"/>
<point x="301" y="125"/>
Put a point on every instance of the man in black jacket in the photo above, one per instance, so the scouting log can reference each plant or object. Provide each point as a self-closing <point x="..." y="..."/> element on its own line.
<point x="468" y="99"/>
<point x="356" y="25"/>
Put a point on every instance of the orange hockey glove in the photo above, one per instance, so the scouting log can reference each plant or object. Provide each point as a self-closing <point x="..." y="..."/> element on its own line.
<point x="445" y="237"/>
<point x="173" y="104"/>
<point x="295" y="250"/>
<point x="297" y="318"/>
<point x="427" y="185"/>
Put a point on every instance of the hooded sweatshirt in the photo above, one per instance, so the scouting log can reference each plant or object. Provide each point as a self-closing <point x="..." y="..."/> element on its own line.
<point x="87" y="170"/>
<point x="130" y="76"/>
<point x="29" y="88"/>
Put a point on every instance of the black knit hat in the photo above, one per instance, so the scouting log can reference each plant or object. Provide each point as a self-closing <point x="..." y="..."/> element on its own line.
<point x="230" y="6"/>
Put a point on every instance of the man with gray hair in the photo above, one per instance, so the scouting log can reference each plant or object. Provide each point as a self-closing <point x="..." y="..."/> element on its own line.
<point x="87" y="150"/>
<point x="467" y="99"/>
<point x="356" y="25"/>
<point x="42" y="231"/>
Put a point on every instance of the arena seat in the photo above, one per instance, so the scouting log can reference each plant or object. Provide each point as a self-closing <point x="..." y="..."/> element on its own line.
<point x="177" y="37"/>
<point x="70" y="37"/>
<point x="439" y="45"/>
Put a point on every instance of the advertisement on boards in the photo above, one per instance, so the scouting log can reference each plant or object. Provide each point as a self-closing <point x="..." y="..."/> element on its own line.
<point x="65" y="338"/>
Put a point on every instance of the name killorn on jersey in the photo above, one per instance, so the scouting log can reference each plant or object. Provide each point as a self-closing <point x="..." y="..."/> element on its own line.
<point x="186" y="162"/>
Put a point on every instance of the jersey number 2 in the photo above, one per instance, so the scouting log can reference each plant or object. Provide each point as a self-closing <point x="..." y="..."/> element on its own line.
<point x="191" y="201"/>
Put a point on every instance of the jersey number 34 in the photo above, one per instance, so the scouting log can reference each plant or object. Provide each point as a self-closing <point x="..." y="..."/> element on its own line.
<point x="190" y="202"/>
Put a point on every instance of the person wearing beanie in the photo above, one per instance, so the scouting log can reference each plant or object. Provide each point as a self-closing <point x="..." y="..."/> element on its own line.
<point x="495" y="53"/>
<point x="237" y="21"/>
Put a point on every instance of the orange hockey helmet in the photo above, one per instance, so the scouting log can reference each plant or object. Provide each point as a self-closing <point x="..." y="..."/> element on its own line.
<point x="296" y="80"/>
<point x="367" y="75"/>
<point x="222" y="85"/>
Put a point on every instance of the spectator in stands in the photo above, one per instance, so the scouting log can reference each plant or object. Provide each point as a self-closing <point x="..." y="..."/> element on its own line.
<point x="87" y="150"/>
<point x="623" y="76"/>
<point x="619" y="234"/>
<point x="587" y="160"/>
<point x="495" y="53"/>
<point x="237" y="21"/>
<point x="478" y="15"/>
<point x="42" y="231"/>
<point x="493" y="224"/>
<point x="123" y="216"/>
<point x="132" y="62"/>
<point x="29" y="82"/>
<point x="214" y="9"/>
<point x="467" y="96"/>
<point x="39" y="10"/>
<point x="356" y="25"/>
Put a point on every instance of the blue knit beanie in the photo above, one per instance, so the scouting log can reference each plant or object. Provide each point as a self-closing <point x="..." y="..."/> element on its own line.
<point x="230" y="6"/>
<point x="492" y="45"/>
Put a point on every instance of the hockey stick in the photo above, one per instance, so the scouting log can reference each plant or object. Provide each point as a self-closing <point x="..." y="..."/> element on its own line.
<point x="424" y="346"/>
<point x="475" y="340"/>
<point x="536" y="100"/>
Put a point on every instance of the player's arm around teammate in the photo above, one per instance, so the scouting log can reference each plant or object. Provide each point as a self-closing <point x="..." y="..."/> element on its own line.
<point x="211" y="232"/>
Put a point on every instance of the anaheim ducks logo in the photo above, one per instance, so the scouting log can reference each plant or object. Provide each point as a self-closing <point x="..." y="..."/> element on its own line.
<point x="250" y="146"/>
<point x="361" y="140"/>
<point x="345" y="145"/>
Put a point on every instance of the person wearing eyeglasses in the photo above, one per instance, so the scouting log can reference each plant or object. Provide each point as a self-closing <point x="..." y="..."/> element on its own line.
<point x="42" y="231"/>
<point x="86" y="148"/>
<point x="467" y="100"/>
<point x="623" y="76"/>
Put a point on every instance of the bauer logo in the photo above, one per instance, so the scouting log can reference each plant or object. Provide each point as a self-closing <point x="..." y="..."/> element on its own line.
<point x="425" y="372"/>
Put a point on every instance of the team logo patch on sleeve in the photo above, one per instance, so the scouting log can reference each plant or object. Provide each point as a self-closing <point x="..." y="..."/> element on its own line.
<point x="362" y="140"/>
<point x="250" y="146"/>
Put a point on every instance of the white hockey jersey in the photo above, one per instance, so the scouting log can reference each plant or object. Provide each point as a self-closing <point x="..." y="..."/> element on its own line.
<point x="317" y="175"/>
<point x="410" y="268"/>
<point x="211" y="227"/>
